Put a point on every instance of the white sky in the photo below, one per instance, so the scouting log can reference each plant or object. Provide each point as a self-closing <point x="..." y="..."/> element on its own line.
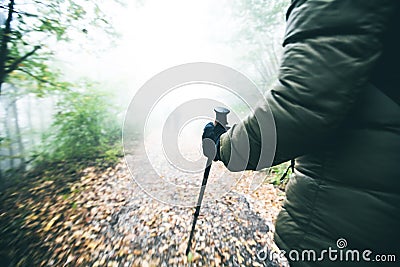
<point x="156" y="36"/>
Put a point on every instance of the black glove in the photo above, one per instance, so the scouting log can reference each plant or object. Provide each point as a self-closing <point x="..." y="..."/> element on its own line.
<point x="211" y="135"/>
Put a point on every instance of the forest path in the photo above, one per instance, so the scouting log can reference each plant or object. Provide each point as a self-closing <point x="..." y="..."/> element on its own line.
<point x="101" y="217"/>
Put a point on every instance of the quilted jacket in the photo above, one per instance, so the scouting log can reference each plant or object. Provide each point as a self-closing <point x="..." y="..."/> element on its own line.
<point x="336" y="112"/>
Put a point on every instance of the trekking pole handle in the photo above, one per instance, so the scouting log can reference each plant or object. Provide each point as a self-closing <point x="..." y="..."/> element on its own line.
<point x="221" y="115"/>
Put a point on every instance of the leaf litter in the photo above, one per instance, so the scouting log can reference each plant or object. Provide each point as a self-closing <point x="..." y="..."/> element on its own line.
<point x="101" y="217"/>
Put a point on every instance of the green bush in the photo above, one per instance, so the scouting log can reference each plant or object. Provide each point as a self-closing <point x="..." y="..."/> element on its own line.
<point x="276" y="174"/>
<point x="85" y="127"/>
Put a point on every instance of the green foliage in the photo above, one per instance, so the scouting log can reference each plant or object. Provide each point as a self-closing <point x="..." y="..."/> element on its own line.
<point x="37" y="75"/>
<point x="260" y="33"/>
<point x="32" y="33"/>
<point x="84" y="128"/>
<point x="260" y="16"/>
<point x="35" y="29"/>
<point x="276" y="174"/>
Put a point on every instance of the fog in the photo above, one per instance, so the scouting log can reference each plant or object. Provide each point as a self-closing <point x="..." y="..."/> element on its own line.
<point x="157" y="35"/>
<point x="153" y="36"/>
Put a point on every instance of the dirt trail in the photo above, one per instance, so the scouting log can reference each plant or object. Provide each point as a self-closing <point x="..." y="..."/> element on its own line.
<point x="102" y="218"/>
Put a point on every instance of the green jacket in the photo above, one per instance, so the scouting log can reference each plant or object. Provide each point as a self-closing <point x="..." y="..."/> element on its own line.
<point x="335" y="112"/>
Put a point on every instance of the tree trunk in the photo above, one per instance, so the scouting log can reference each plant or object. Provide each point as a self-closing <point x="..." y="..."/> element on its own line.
<point x="32" y="132"/>
<point x="17" y="130"/>
<point x="9" y="138"/>
<point x="5" y="39"/>
<point x="18" y="136"/>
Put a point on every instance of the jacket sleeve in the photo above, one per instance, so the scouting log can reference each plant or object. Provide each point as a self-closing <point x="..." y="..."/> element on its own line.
<point x="330" y="49"/>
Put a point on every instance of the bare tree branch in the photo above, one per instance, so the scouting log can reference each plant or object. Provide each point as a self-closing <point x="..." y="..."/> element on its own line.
<point x="19" y="12"/>
<point x="15" y="64"/>
<point x="37" y="77"/>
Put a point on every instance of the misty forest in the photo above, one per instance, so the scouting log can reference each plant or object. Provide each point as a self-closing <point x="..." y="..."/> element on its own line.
<point x="68" y="70"/>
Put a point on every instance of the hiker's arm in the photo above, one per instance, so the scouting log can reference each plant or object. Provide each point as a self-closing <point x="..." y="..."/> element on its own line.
<point x="325" y="66"/>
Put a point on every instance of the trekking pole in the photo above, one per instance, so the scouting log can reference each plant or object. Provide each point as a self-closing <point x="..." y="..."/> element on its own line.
<point x="221" y="118"/>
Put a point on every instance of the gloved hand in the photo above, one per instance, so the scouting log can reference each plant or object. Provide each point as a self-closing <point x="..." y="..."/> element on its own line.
<point x="211" y="134"/>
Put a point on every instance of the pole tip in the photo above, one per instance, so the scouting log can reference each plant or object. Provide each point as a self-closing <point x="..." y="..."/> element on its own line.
<point x="190" y="256"/>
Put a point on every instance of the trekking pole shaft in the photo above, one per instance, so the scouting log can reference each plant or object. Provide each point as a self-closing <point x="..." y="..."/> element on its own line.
<point x="200" y="199"/>
<point x="220" y="118"/>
